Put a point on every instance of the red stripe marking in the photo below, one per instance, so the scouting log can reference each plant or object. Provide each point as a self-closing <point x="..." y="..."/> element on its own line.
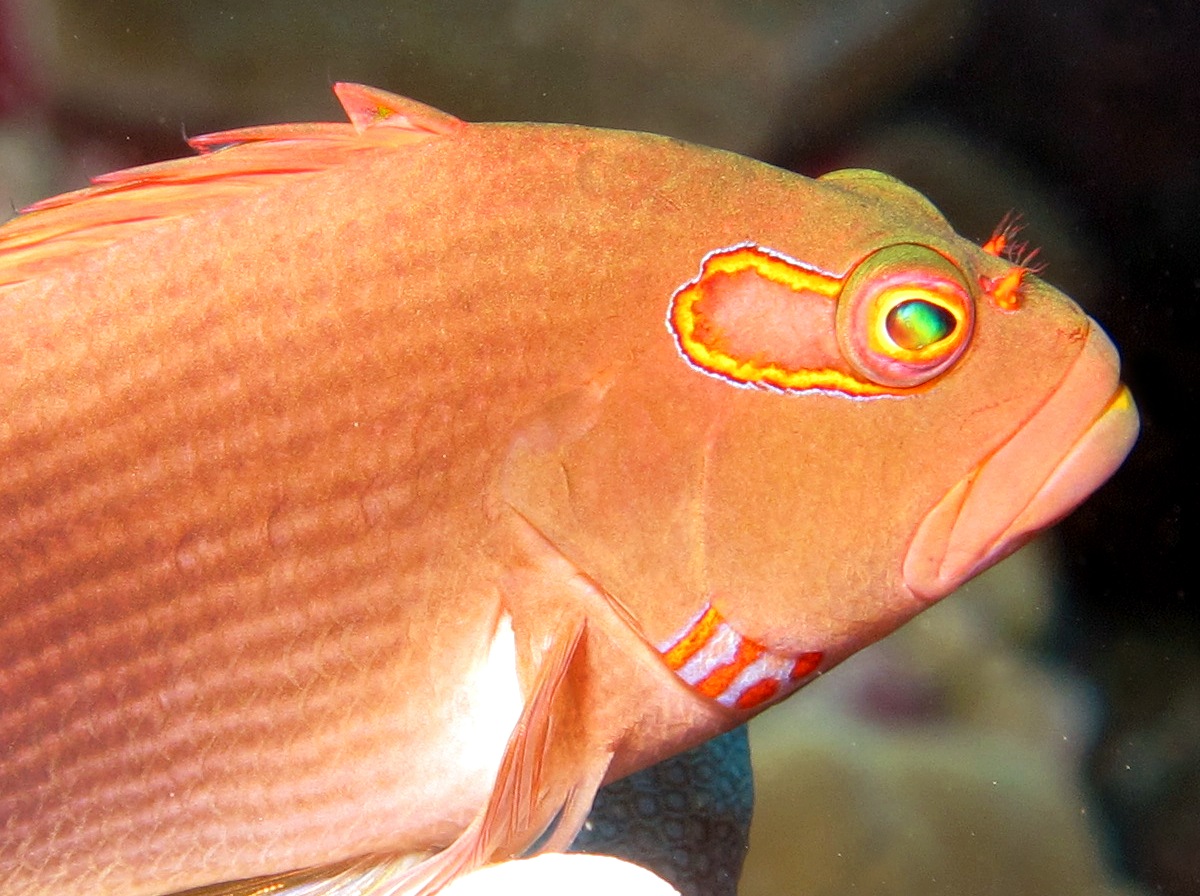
<point x="759" y="692"/>
<point x="693" y="639"/>
<point x="805" y="663"/>
<point x="715" y="683"/>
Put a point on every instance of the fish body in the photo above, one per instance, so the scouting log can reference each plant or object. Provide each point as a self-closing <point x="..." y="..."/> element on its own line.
<point x="371" y="493"/>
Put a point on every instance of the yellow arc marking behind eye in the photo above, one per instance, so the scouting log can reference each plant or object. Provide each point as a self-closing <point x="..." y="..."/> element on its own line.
<point x="684" y="323"/>
<point x="929" y="335"/>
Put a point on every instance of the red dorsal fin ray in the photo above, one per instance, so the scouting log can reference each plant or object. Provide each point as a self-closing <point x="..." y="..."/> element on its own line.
<point x="230" y="163"/>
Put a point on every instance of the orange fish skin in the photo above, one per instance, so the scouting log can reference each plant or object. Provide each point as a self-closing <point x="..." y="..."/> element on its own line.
<point x="242" y="515"/>
<point x="276" y="473"/>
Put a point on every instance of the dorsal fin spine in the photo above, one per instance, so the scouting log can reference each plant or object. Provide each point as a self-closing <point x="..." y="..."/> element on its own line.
<point x="369" y="107"/>
<point x="122" y="203"/>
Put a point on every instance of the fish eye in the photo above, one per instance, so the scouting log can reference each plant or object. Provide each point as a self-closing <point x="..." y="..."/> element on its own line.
<point x="904" y="316"/>
<point x="914" y="324"/>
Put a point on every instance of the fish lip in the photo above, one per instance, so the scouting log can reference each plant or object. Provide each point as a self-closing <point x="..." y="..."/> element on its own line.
<point x="1066" y="450"/>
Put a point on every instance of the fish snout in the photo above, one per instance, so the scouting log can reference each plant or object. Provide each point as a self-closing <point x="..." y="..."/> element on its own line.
<point x="1049" y="465"/>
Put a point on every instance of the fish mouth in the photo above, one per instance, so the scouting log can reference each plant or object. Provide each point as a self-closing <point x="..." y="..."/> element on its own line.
<point x="1065" y="451"/>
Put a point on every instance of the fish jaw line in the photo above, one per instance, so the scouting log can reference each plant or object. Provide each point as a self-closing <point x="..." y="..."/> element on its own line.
<point x="1071" y="445"/>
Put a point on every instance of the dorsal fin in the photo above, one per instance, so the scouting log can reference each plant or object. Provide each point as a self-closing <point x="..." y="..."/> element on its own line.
<point x="229" y="163"/>
<point x="369" y="107"/>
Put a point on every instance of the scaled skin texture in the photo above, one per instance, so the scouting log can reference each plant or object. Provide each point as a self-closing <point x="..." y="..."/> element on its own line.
<point x="371" y="493"/>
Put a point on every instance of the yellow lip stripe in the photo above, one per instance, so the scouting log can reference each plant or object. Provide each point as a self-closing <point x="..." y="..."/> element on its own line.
<point x="716" y="661"/>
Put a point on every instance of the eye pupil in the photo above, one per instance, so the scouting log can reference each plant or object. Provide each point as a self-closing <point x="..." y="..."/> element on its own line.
<point x="915" y="324"/>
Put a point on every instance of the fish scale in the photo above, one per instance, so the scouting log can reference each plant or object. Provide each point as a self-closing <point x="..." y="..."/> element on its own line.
<point x="357" y="480"/>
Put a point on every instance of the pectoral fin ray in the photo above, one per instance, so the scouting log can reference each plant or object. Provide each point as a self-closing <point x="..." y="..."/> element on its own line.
<point x="498" y="831"/>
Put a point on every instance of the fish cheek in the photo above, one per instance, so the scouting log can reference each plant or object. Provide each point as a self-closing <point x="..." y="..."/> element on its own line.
<point x="619" y="496"/>
<point x="803" y="541"/>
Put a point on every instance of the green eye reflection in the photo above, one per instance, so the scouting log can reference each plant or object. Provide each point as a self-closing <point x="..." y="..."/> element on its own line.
<point x="915" y="324"/>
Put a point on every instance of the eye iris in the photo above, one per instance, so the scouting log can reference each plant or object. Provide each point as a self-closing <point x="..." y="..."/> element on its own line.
<point x="915" y="324"/>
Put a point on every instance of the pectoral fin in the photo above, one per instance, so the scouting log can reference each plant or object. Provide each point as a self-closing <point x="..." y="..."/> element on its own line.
<point x="357" y="877"/>
<point x="545" y="782"/>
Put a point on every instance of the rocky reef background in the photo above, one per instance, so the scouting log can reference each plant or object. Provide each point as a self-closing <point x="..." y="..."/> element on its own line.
<point x="1040" y="734"/>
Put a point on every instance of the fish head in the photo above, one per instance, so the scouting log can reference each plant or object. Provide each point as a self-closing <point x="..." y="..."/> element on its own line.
<point x="823" y="442"/>
<point x="883" y="447"/>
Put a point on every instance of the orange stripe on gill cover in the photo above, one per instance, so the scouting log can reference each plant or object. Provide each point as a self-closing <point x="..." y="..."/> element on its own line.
<point x="699" y="338"/>
<point x="694" y="639"/>
<point x="805" y="664"/>
<point x="719" y="663"/>
<point x="757" y="694"/>
<point x="719" y="679"/>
